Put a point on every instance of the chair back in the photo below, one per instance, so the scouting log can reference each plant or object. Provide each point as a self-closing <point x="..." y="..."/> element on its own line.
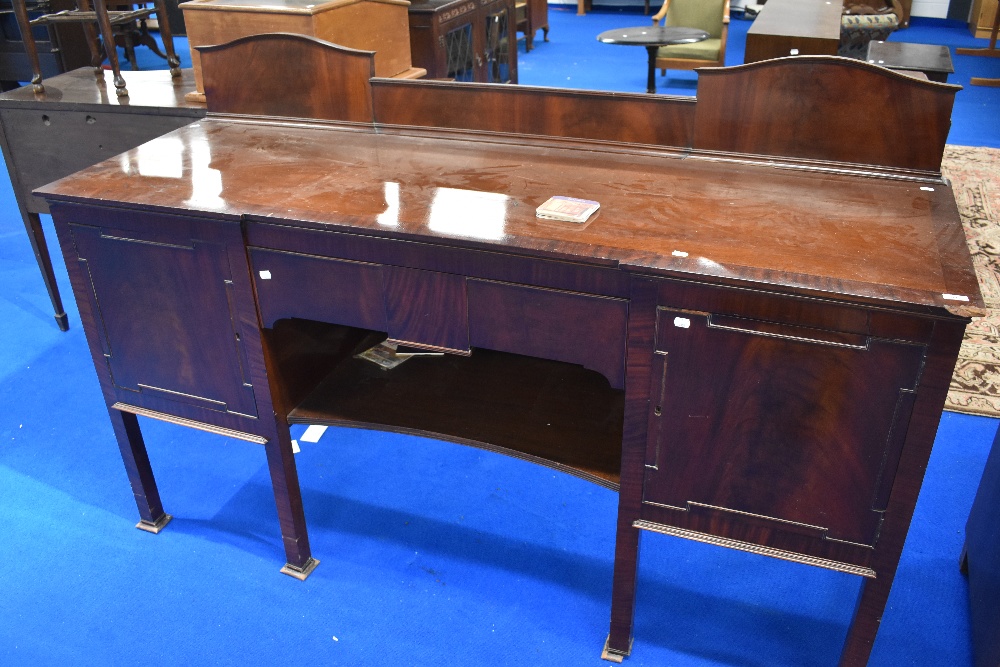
<point x="702" y="14"/>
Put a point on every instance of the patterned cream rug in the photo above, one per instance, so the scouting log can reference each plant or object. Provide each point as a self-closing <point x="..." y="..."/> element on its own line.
<point x="975" y="177"/>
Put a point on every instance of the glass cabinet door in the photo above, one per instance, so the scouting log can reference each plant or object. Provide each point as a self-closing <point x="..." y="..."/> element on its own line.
<point x="498" y="47"/>
<point x="459" y="53"/>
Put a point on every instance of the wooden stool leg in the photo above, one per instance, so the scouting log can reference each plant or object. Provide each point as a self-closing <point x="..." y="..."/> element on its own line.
<point x="90" y="34"/>
<point x="108" y="37"/>
<point x="168" y="40"/>
<point x="24" y="25"/>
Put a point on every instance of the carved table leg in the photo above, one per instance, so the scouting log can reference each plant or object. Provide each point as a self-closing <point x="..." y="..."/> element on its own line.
<point x="288" y="497"/>
<point x="168" y="40"/>
<point x="108" y="37"/>
<point x="140" y="473"/>
<point x="24" y="25"/>
<point x="33" y="225"/>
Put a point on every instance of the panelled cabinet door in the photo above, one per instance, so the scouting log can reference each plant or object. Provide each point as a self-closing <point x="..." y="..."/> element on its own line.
<point x="786" y="436"/>
<point x="163" y="296"/>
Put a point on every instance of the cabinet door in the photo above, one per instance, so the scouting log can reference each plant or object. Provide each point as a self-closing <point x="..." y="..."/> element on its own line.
<point x="782" y="435"/>
<point x="459" y="55"/>
<point x="163" y="297"/>
<point x="500" y="45"/>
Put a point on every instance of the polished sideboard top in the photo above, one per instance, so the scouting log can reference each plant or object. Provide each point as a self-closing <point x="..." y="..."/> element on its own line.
<point x="873" y="239"/>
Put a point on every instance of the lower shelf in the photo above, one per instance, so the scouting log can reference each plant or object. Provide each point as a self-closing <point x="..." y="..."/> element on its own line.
<point x="553" y="413"/>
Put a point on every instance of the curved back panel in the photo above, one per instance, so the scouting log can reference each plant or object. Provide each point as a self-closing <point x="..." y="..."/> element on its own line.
<point x="824" y="108"/>
<point x="281" y="74"/>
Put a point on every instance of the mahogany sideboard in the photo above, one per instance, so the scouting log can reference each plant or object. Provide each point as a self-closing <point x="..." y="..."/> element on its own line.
<point x="751" y="340"/>
<point x="74" y="124"/>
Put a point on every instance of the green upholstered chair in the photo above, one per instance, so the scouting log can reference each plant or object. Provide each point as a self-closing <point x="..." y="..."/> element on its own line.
<point x="712" y="16"/>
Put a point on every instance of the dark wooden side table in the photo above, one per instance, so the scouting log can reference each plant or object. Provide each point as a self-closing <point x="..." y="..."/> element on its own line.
<point x="931" y="59"/>
<point x="652" y="37"/>
<point x="76" y="123"/>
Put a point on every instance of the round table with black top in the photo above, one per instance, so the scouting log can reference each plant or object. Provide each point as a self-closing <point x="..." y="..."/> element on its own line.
<point x="652" y="37"/>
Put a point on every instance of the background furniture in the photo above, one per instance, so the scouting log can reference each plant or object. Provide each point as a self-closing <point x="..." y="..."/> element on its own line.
<point x="233" y="298"/>
<point x="465" y="40"/>
<point x="932" y="60"/>
<point x="981" y="563"/>
<point x="990" y="51"/>
<point x="794" y="27"/>
<point x="864" y="24"/>
<point x="653" y="39"/>
<point x="981" y="18"/>
<point x="128" y="35"/>
<point x="712" y="16"/>
<point x="368" y="25"/>
<point x="532" y="16"/>
<point x="36" y="129"/>
<point x="106" y="21"/>
<point x="61" y="48"/>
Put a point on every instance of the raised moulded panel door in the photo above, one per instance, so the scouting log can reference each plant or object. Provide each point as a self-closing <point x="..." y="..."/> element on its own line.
<point x="163" y="296"/>
<point x="779" y="435"/>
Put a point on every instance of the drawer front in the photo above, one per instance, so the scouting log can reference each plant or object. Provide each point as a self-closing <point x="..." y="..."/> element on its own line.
<point x="551" y="324"/>
<point x="318" y="288"/>
<point x="427" y="309"/>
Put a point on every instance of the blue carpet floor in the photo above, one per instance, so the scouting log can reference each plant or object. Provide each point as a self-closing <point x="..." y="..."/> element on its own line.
<point x="430" y="552"/>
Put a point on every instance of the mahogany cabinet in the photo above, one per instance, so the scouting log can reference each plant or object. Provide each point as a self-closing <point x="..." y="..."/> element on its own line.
<point x="465" y="40"/>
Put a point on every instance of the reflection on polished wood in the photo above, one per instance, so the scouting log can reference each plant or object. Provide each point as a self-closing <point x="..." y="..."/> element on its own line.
<point x="751" y="340"/>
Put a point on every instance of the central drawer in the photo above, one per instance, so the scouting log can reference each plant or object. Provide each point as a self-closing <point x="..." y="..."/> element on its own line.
<point x="444" y="311"/>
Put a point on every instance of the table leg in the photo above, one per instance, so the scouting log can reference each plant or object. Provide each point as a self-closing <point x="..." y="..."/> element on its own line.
<point x="288" y="498"/>
<point x="140" y="472"/>
<point x="651" y="80"/>
<point x="33" y="225"/>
